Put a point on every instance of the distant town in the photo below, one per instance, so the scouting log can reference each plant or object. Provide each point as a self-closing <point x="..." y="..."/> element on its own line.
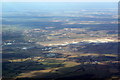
<point x="60" y="43"/>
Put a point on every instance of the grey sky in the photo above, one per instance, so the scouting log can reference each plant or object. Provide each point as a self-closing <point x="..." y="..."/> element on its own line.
<point x="60" y="0"/>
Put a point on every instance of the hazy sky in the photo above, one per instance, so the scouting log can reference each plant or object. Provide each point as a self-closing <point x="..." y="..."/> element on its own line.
<point x="60" y="0"/>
